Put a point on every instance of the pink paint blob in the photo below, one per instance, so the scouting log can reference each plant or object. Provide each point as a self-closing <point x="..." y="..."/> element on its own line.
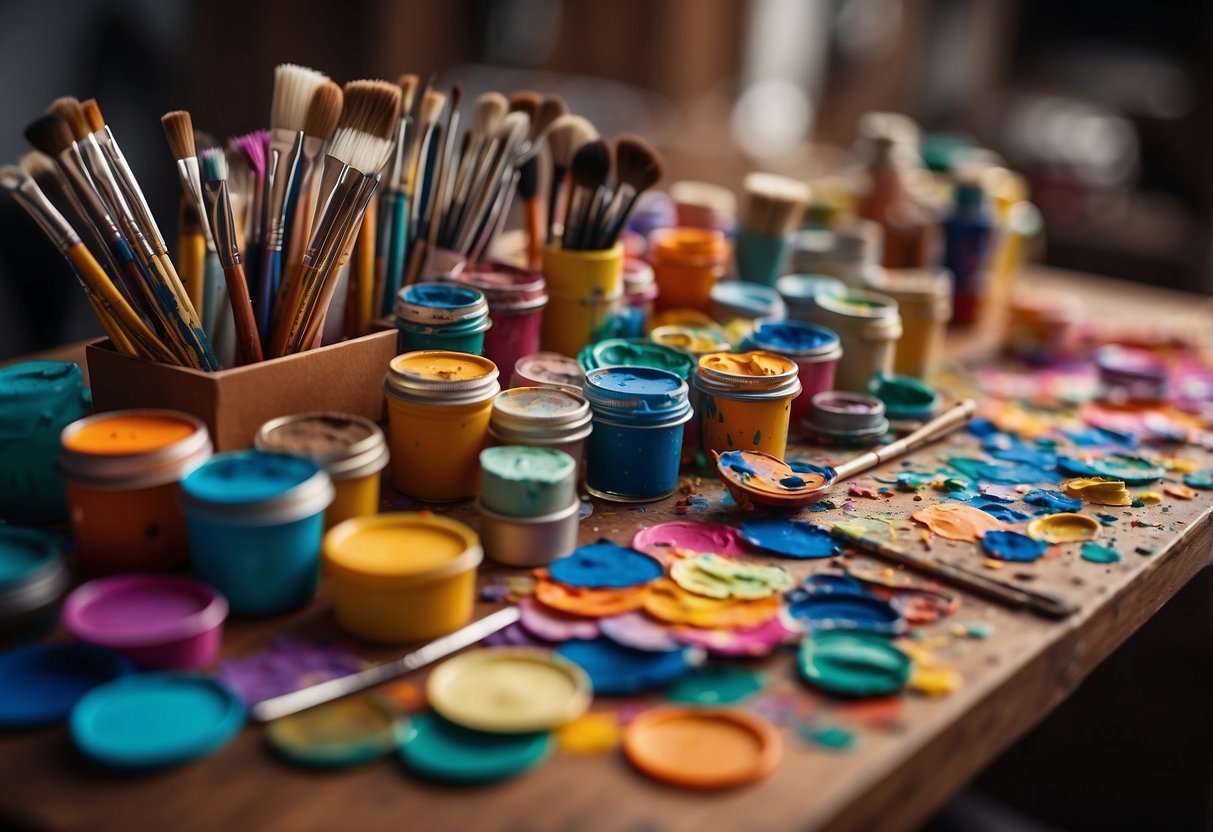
<point x="551" y="625"/>
<point x="638" y="631"/>
<point x="750" y="641"/>
<point x="701" y="538"/>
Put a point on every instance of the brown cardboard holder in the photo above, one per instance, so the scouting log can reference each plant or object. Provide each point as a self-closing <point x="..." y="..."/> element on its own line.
<point x="346" y="377"/>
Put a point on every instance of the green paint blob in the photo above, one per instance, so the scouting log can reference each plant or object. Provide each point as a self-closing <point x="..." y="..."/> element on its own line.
<point x="1106" y="519"/>
<point x="1199" y="479"/>
<point x="968" y="466"/>
<point x="1099" y="554"/>
<point x="979" y="630"/>
<point x="833" y="737"/>
<point x="715" y="684"/>
<point x="853" y="663"/>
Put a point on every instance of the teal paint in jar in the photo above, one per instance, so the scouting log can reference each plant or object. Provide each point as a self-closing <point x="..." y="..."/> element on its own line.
<point x="33" y="580"/>
<point x="518" y="481"/>
<point x="38" y="399"/>
<point x="255" y="521"/>
<point x="441" y="316"/>
<point x="624" y="352"/>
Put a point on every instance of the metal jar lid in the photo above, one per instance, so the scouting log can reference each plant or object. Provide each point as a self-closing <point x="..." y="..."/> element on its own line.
<point x="44" y="578"/>
<point x="719" y="382"/>
<point x="439" y="304"/>
<point x="548" y="369"/>
<point x="410" y="379"/>
<point x="847" y="418"/>
<point x="875" y="314"/>
<point x="645" y="395"/>
<point x="548" y="413"/>
<point x="135" y="470"/>
<point x="347" y="447"/>
<point x="311" y="492"/>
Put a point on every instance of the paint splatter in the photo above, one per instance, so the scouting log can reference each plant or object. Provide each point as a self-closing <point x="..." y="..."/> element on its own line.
<point x="1095" y="553"/>
<point x="1013" y="546"/>
<point x="956" y="521"/>
<point x="1181" y="492"/>
<point x="1052" y="500"/>
<point x="593" y="733"/>
<point x="831" y="737"/>
<point x="715" y="685"/>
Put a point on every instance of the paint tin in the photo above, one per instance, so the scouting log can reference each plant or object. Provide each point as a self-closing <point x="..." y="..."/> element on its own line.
<point x="846" y="420"/>
<point x="733" y="299"/>
<point x="441" y="316"/>
<point x="122" y="471"/>
<point x="518" y="481"/>
<point x="815" y="350"/>
<point x="516" y="298"/>
<point x="402" y="577"/>
<point x="868" y="325"/>
<point x="584" y="288"/>
<point x="351" y="449"/>
<point x="33" y="578"/>
<point x="38" y="399"/>
<point x="639" y="292"/>
<point x="542" y="417"/>
<point x="797" y="291"/>
<point x="255" y="522"/>
<point x="621" y="352"/>
<point x="639" y="413"/>
<point x="530" y="541"/>
<point x="687" y="263"/>
<point x="548" y="369"/>
<point x="438" y="406"/>
<point x="744" y="401"/>
<point x="924" y="301"/>
<point x="1130" y="375"/>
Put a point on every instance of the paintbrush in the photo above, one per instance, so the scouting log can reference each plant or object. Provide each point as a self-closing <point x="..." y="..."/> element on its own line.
<point x="491" y="108"/>
<point x="394" y="210"/>
<point x="444" y="158"/>
<point x="192" y="238"/>
<point x="589" y="171"/>
<point x="105" y="139"/>
<point x="550" y="108"/>
<point x="255" y="147"/>
<point x="323" y="112"/>
<point x="638" y="168"/>
<point x="507" y="146"/>
<point x="771" y="208"/>
<point x="567" y="135"/>
<point x="430" y="131"/>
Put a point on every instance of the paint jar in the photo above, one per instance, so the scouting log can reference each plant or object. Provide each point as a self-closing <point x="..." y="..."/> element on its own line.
<point x="846" y="420"/>
<point x="704" y="205"/>
<point x="548" y="369"/>
<point x="687" y="263"/>
<point x="968" y="234"/>
<point x="744" y="401"/>
<point x="351" y="449"/>
<point x="518" y="481"/>
<point x="639" y="293"/>
<point x="33" y="578"/>
<point x="122" y="472"/>
<point x="584" y="288"/>
<point x="733" y="299"/>
<point x="530" y="541"/>
<point x="868" y="325"/>
<point x="402" y="577"/>
<point x="1131" y="375"/>
<point x="695" y="341"/>
<point x="811" y="249"/>
<point x="541" y="417"/>
<point x="38" y="399"/>
<point x="924" y="301"/>
<point x="516" y="299"/>
<point x="255" y="522"/>
<point x="441" y="316"/>
<point x="639" y="413"/>
<point x="621" y="352"/>
<point x="438" y="406"/>
<point x="797" y="291"/>
<point x="815" y="350"/>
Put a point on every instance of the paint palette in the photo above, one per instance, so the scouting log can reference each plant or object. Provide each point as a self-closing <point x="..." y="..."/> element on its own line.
<point x="762" y="479"/>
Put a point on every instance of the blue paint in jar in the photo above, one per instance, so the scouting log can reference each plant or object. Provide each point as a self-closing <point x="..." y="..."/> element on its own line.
<point x="38" y="399"/>
<point x="255" y="522"/>
<point x="441" y="316"/>
<point x="636" y="445"/>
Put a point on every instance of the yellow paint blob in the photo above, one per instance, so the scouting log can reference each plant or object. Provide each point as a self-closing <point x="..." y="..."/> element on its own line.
<point x="1179" y="465"/>
<point x="756" y="364"/>
<point x="696" y="340"/>
<point x="121" y="434"/>
<point x="956" y="521"/>
<point x="1151" y="498"/>
<point x="590" y="734"/>
<point x="669" y="602"/>
<point x="1064" y="528"/>
<point x="930" y="676"/>
<point x="1097" y="490"/>
<point x="439" y="365"/>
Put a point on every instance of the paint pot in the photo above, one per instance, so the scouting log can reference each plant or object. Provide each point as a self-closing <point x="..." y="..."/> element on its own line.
<point x="33" y="578"/>
<point x="868" y="325"/>
<point x="516" y="299"/>
<point x="733" y="299"/>
<point x="639" y="413"/>
<point x="797" y="291"/>
<point x="687" y="263"/>
<point x="906" y="399"/>
<point x="1044" y="329"/>
<point x="811" y="250"/>
<point x="542" y="417"/>
<point x="41" y="683"/>
<point x="441" y="316"/>
<point x="621" y="352"/>
<point x="548" y="369"/>
<point x="703" y="205"/>
<point x="924" y="301"/>
<point x="441" y="751"/>
<point x="815" y="350"/>
<point x="402" y="577"/>
<point x="438" y="406"/>
<point x="695" y="341"/>
<point x="744" y="401"/>
<point x="529" y="541"/>
<point x="1129" y="375"/>
<point x="38" y="399"/>
<point x="702" y="748"/>
<point x="351" y="449"/>
<point x="639" y="293"/>
<point x="158" y="622"/>
<point x="584" y="288"/>
<point x="255" y="521"/>
<point x="518" y="481"/>
<point x="122" y="472"/>
<point x="846" y="420"/>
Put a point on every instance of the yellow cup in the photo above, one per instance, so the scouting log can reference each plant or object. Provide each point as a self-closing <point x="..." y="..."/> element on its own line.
<point x="924" y="300"/>
<point x="744" y="401"/>
<point x="584" y="288"/>
<point x="402" y="577"/>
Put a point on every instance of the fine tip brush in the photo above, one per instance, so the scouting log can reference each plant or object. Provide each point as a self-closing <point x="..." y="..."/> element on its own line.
<point x="590" y="168"/>
<point x="637" y="168"/>
<point x="191" y="240"/>
<point x="491" y="108"/>
<point x="428" y="132"/>
<point x="495" y="186"/>
<point x="567" y="134"/>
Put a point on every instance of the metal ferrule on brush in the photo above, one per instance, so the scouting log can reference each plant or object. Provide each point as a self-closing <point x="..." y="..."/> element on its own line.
<point x="286" y="148"/>
<point x="339" y="189"/>
<point x="72" y="165"/>
<point x="362" y="198"/>
<point x="107" y="186"/>
<point x="191" y="183"/>
<point x="130" y="186"/>
<point x="46" y="215"/>
<point x="222" y="224"/>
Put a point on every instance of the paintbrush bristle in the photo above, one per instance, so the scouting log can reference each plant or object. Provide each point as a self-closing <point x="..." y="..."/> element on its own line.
<point x="92" y="114"/>
<point x="432" y="103"/>
<point x="69" y="109"/>
<point x="551" y="108"/>
<point x="294" y="86"/>
<point x="408" y="84"/>
<point x="456" y="98"/>
<point x="38" y="164"/>
<point x="591" y="164"/>
<point x="773" y="205"/>
<point x="213" y="164"/>
<point x="716" y="199"/>
<point x="370" y="107"/>
<point x="203" y="140"/>
<point x="636" y="163"/>
<point x="568" y="134"/>
<point x="12" y="177"/>
<point x="526" y="102"/>
<point x="255" y="147"/>
<point x="179" y="130"/>
<point x="359" y="150"/>
<point x="50" y="134"/>
<point x="490" y="110"/>
<point x="324" y="110"/>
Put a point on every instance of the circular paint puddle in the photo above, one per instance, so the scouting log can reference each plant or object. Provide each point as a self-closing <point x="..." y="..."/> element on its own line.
<point x="615" y="670"/>
<point x="702" y="749"/>
<point x="440" y="750"/>
<point x="1064" y="528"/>
<point x="509" y="690"/>
<point x="714" y="685"/>
<point x="853" y="664"/>
<point x="638" y="631"/>
<point x="605" y="565"/>
<point x="847" y="611"/>
<point x="689" y="536"/>
<point x="347" y="732"/>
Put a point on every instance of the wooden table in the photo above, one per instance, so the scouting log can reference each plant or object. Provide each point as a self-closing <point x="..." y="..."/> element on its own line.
<point x="893" y="779"/>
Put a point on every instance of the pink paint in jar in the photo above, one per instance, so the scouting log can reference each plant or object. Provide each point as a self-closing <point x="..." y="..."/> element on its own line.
<point x="815" y="350"/>
<point x="516" y="300"/>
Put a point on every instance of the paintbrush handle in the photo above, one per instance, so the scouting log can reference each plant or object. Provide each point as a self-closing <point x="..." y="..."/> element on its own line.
<point x="393" y="275"/>
<point x="943" y="424"/>
<point x="182" y="313"/>
<point x="115" y="305"/>
<point x="363" y="274"/>
<point x="248" y="341"/>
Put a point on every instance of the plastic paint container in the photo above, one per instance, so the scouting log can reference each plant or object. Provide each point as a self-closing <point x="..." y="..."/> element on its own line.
<point x="815" y="350"/>
<point x="122" y="472"/>
<point x="438" y="406"/>
<point x="351" y="449"/>
<point x="636" y="445"/>
<point x="38" y="399"/>
<point x="158" y="622"/>
<point x="760" y="257"/>
<point x="33" y="578"/>
<point x="516" y="299"/>
<point x="402" y="577"/>
<point x="868" y="325"/>
<point x="548" y="369"/>
<point x="848" y="420"/>
<point x="745" y="400"/>
<point x="797" y="291"/>
<point x="639" y="291"/>
<point x="732" y="299"/>
<point x="584" y="288"/>
<point x="541" y="417"/>
<point x="621" y="352"/>
<point x="441" y="316"/>
<point x="924" y="301"/>
<point x="687" y="263"/>
<point x="255" y="522"/>
<point x="526" y="482"/>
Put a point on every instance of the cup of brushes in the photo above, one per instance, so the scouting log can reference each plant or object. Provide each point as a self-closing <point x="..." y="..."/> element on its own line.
<point x="771" y="209"/>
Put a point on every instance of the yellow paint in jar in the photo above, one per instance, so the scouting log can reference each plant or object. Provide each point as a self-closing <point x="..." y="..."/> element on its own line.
<point x="744" y="401"/>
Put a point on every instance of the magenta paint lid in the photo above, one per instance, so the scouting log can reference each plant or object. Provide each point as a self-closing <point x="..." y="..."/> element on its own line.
<point x="138" y="610"/>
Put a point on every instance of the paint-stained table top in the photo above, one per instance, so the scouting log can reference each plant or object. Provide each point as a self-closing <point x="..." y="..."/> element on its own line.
<point x="910" y="754"/>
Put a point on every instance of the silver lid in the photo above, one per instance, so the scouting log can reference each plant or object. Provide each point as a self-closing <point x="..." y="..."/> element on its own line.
<point x="440" y="304"/>
<point x="734" y="385"/>
<point x="840" y="413"/>
<point x="363" y="451"/>
<point x="550" y="413"/>
<point x="407" y="381"/>
<point x="146" y="469"/>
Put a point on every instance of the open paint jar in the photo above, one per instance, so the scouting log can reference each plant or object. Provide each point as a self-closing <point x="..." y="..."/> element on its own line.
<point x="33" y="578"/>
<point x="687" y="263"/>
<point x="734" y="299"/>
<point x="744" y="401"/>
<point x="846" y="420"/>
<point x="122" y="472"/>
<point x="797" y="291"/>
<point x="924" y="301"/>
<point x="815" y="350"/>
<point x="438" y="407"/>
<point x="639" y="293"/>
<point x="351" y="449"/>
<point x="402" y="577"/>
<point x="695" y="341"/>
<point x="441" y="316"/>
<point x="621" y="352"/>
<point x="516" y="298"/>
<point x="529" y="512"/>
<point x="38" y="399"/>
<point x="635" y="449"/>
<point x="255" y="523"/>
<point x="584" y="288"/>
<point x="548" y="369"/>
<point x="868" y="325"/>
<point x="541" y="417"/>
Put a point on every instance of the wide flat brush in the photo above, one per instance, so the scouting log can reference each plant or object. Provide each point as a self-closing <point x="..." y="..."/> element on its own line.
<point x="323" y="113"/>
<point x="637" y="168"/>
<point x="567" y="135"/>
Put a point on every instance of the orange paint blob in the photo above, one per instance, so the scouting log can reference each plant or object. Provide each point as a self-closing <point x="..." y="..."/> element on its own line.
<point x="591" y="603"/>
<point x="702" y="749"/>
<point x="956" y="521"/>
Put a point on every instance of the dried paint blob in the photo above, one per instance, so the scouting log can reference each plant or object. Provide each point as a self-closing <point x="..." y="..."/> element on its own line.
<point x="853" y="664"/>
<point x="702" y="749"/>
<point x="718" y="577"/>
<point x="1099" y="554"/>
<point x="594" y="603"/>
<point x="867" y="528"/>
<point x="1064" y="528"/>
<point x="789" y="538"/>
<point x="1013" y="546"/>
<point x="1131" y="470"/>
<point x="605" y="565"/>
<point x="638" y="631"/>
<point x="832" y="737"/>
<point x="616" y="670"/>
<point x="1199" y="479"/>
<point x="1178" y="491"/>
<point x="715" y="685"/>
<point x="342" y="733"/>
<point x="683" y="536"/>
<point x="847" y="611"/>
<point x="998" y="510"/>
<point x="1052" y="500"/>
<point x="667" y="601"/>
<point x="589" y="734"/>
<point x="1098" y="490"/>
<point x="743" y="641"/>
<point x="439" y="750"/>
<point x="957" y="521"/>
<point x="552" y="625"/>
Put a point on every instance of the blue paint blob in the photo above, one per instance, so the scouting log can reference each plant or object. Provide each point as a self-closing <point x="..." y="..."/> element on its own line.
<point x="847" y="611"/>
<point x="1054" y="501"/>
<point x="967" y="466"/>
<point x="790" y="538"/>
<point x="1095" y="553"/>
<point x="801" y="467"/>
<point x="792" y="482"/>
<point x="982" y="427"/>
<point x="998" y="509"/>
<point x="39" y="684"/>
<point x="615" y="670"/>
<point x="1131" y="470"/>
<point x="1017" y="451"/>
<point x="1013" y="473"/>
<point x="825" y="583"/>
<point x="605" y="565"/>
<point x="757" y="437"/>
<point x="791" y="338"/>
<point x="735" y="461"/>
<point x="440" y="295"/>
<point x="1013" y="546"/>
<point x="1073" y="467"/>
<point x="1199" y="479"/>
